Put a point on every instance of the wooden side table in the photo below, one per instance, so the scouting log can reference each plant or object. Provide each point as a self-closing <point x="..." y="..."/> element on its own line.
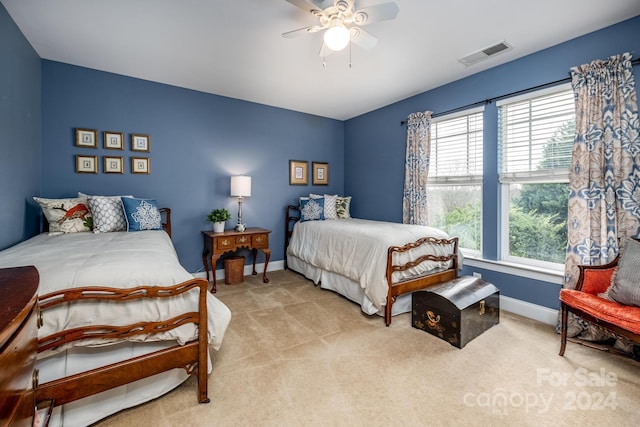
<point x="217" y="244"/>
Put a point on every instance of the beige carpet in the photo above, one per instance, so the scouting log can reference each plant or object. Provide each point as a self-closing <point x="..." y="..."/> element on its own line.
<point x="297" y="355"/>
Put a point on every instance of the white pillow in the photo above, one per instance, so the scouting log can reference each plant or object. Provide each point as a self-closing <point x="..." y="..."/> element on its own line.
<point x="343" y="205"/>
<point x="66" y="215"/>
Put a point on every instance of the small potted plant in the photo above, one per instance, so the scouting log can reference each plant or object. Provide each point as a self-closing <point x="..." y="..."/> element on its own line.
<point x="218" y="217"/>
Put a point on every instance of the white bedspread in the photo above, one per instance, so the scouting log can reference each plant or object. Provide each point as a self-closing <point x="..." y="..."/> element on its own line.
<point x="357" y="249"/>
<point x="119" y="260"/>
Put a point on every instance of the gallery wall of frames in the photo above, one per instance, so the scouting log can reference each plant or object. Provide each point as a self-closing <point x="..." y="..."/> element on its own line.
<point x="139" y="163"/>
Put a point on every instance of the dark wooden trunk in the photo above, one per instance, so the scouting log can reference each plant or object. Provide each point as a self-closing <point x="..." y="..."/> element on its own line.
<point x="456" y="311"/>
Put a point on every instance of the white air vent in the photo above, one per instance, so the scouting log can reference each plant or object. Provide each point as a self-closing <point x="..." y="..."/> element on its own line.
<point x="485" y="53"/>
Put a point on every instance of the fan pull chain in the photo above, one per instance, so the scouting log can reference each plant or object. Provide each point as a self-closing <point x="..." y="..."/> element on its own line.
<point x="349" y="52"/>
<point x="324" y="55"/>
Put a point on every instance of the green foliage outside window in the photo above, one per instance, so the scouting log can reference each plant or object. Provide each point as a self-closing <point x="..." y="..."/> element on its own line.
<point x="536" y="236"/>
<point x="464" y="223"/>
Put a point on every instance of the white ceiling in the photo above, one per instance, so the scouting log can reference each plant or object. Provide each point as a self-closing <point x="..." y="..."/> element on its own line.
<point x="234" y="48"/>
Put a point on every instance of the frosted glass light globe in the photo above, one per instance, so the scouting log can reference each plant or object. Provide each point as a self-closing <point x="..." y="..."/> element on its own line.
<point x="337" y="37"/>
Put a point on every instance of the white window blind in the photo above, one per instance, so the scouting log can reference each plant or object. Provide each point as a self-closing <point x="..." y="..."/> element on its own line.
<point x="535" y="136"/>
<point x="456" y="149"/>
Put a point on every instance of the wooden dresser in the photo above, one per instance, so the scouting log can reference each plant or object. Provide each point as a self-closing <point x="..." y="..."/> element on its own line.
<point x="18" y="345"/>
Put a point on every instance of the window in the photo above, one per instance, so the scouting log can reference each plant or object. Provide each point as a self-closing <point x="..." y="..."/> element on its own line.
<point x="535" y="138"/>
<point x="454" y="183"/>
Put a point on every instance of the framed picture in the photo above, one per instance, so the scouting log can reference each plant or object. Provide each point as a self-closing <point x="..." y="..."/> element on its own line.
<point x="140" y="165"/>
<point x="113" y="164"/>
<point x="298" y="172"/>
<point x="86" y="164"/>
<point x="140" y="142"/>
<point x="113" y="140"/>
<point x="320" y="173"/>
<point x="87" y="138"/>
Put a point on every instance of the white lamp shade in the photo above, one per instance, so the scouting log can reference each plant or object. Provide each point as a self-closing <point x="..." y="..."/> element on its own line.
<point x="241" y="186"/>
<point x="337" y="37"/>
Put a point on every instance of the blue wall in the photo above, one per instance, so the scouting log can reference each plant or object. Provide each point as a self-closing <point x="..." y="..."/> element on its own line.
<point x="19" y="133"/>
<point x="375" y="142"/>
<point x="198" y="141"/>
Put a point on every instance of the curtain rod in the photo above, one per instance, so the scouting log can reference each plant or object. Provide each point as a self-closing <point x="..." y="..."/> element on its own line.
<point x="508" y="95"/>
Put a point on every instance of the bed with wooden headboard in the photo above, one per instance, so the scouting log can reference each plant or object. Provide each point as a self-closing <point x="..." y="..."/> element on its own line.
<point x="373" y="263"/>
<point x="121" y="321"/>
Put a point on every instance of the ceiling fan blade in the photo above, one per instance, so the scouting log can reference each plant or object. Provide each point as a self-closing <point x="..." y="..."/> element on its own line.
<point x="363" y="38"/>
<point x="301" y="31"/>
<point x="308" y="5"/>
<point x="324" y="51"/>
<point x="376" y="13"/>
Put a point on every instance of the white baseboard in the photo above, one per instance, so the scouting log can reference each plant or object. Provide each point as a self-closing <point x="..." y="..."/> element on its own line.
<point x="519" y="307"/>
<point x="532" y="311"/>
<point x="273" y="266"/>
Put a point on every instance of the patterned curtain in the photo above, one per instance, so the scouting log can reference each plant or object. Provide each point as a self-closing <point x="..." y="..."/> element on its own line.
<point x="604" y="179"/>
<point x="414" y="201"/>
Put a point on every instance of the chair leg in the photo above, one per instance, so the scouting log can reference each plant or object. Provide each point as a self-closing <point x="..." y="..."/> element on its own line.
<point x="563" y="328"/>
<point x="387" y="314"/>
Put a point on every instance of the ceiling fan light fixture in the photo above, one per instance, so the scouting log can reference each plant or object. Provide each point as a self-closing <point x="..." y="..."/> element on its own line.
<point x="337" y="37"/>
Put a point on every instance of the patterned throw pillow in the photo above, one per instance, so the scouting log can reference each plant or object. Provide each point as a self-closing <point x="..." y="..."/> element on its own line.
<point x="142" y="214"/>
<point x="330" y="206"/>
<point x="66" y="215"/>
<point x="311" y="209"/>
<point x="343" y="205"/>
<point x="108" y="214"/>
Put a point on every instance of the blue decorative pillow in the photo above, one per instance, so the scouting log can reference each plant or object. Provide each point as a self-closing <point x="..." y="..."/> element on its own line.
<point x="142" y="214"/>
<point x="311" y="209"/>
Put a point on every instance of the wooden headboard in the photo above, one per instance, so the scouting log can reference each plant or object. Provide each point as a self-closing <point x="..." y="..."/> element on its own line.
<point x="292" y="215"/>
<point x="165" y="214"/>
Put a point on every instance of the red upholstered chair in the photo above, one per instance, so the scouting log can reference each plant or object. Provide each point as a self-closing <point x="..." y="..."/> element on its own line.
<point x="584" y="301"/>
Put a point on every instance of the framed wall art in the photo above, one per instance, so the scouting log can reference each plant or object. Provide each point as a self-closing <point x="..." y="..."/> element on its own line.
<point x="298" y="172"/>
<point x="140" y="165"/>
<point x="113" y="140"/>
<point x="140" y="142"/>
<point x="113" y="164"/>
<point x="87" y="138"/>
<point x="320" y="173"/>
<point x="86" y="164"/>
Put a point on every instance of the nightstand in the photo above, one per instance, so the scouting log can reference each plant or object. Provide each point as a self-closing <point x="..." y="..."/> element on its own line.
<point x="217" y="244"/>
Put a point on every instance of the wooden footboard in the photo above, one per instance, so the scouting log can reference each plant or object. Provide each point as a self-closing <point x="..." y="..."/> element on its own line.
<point x="431" y="278"/>
<point x="192" y="356"/>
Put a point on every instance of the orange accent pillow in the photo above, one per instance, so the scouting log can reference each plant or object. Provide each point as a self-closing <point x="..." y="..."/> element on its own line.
<point x="597" y="281"/>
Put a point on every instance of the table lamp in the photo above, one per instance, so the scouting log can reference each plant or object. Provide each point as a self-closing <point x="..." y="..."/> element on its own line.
<point x="240" y="187"/>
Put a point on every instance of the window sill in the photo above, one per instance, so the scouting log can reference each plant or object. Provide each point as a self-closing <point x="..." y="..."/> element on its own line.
<point x="530" y="272"/>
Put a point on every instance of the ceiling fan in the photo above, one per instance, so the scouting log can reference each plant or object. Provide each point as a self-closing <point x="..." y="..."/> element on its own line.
<point x="341" y="22"/>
